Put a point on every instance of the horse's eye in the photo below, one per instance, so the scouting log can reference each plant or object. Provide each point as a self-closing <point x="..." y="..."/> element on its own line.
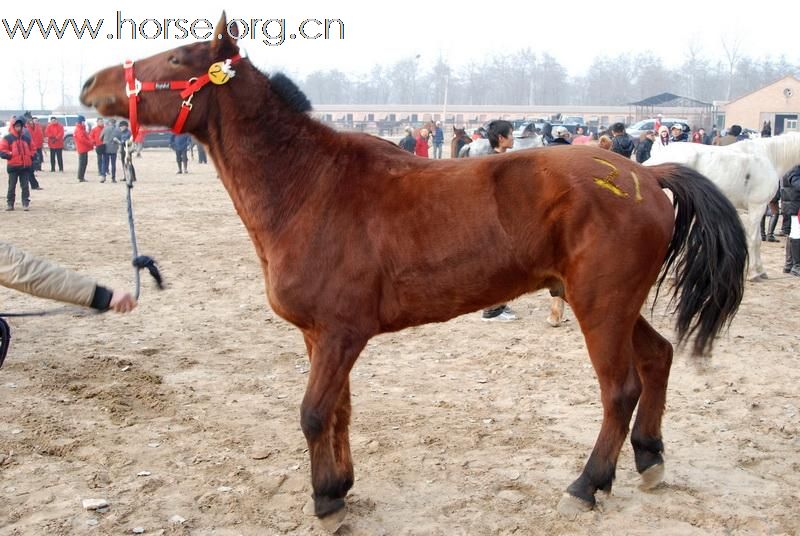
<point x="174" y="61"/>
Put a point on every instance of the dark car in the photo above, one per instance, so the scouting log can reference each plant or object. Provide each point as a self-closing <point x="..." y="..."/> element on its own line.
<point x="156" y="138"/>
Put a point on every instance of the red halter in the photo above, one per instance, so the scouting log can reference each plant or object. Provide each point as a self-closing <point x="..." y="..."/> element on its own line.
<point x="187" y="87"/>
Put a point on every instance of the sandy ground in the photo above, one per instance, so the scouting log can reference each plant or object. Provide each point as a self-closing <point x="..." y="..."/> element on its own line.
<point x="458" y="428"/>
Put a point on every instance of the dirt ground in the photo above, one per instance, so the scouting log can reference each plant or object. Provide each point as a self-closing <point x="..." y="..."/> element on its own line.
<point x="190" y="405"/>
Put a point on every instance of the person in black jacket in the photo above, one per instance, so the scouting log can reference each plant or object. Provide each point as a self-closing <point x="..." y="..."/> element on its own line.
<point x="622" y="142"/>
<point x="645" y="146"/>
<point x="561" y="136"/>
<point x="408" y="143"/>
<point x="790" y="199"/>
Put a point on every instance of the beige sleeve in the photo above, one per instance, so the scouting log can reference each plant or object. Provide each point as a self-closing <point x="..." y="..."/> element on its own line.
<point x="26" y="273"/>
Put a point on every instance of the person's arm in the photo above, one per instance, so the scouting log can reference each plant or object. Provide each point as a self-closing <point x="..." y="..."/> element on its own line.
<point x="5" y="149"/>
<point x="24" y="272"/>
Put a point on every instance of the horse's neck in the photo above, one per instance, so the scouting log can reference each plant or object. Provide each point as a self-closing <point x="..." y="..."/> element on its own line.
<point x="783" y="151"/>
<point x="270" y="163"/>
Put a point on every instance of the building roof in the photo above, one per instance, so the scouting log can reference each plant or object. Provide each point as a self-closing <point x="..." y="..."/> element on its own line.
<point x="778" y="81"/>
<point x="670" y="100"/>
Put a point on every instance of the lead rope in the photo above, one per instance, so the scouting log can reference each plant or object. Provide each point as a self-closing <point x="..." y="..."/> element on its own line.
<point x="139" y="262"/>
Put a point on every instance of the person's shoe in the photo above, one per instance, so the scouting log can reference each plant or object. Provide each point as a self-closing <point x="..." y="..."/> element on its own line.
<point x="179" y="172"/>
<point x="505" y="315"/>
<point x="9" y="208"/>
<point x="37" y="188"/>
<point x="114" y="181"/>
<point x="771" y="238"/>
<point x="26" y="208"/>
<point x="81" y="180"/>
<point x="795" y="271"/>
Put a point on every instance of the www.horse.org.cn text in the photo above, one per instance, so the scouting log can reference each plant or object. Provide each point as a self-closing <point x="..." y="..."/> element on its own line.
<point x="269" y="31"/>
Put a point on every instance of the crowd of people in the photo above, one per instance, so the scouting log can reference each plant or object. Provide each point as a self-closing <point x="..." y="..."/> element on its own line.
<point x="615" y="138"/>
<point x="24" y="143"/>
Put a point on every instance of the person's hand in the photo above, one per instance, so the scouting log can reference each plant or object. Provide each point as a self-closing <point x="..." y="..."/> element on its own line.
<point x="122" y="302"/>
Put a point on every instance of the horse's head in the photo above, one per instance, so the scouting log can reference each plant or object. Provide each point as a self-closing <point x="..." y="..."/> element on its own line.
<point x="164" y="77"/>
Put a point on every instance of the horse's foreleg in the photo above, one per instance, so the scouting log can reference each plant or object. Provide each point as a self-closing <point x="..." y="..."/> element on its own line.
<point x="653" y="359"/>
<point x="325" y="418"/>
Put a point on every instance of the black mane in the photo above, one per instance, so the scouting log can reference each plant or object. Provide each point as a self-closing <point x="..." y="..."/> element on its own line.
<point x="289" y="92"/>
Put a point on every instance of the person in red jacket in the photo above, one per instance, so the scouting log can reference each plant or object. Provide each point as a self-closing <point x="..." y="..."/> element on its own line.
<point x="83" y="144"/>
<point x="100" y="149"/>
<point x="16" y="148"/>
<point x="55" y="143"/>
<point x="421" y="148"/>
<point x="37" y="141"/>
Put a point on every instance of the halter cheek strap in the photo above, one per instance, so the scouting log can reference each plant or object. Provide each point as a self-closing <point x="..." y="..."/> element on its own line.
<point x="187" y="88"/>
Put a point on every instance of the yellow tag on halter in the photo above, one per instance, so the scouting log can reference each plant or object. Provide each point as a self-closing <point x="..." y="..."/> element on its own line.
<point x="219" y="73"/>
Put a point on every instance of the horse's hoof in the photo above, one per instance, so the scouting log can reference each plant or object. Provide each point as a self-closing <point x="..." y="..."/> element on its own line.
<point x="757" y="277"/>
<point x="554" y="322"/>
<point x="571" y="507"/>
<point x="651" y="477"/>
<point x="332" y="522"/>
<point x="763" y="275"/>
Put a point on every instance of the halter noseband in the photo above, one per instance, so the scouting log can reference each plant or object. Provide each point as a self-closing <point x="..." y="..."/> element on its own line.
<point x="187" y="88"/>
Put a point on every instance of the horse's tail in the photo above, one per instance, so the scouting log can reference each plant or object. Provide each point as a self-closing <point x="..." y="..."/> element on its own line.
<point x="708" y="252"/>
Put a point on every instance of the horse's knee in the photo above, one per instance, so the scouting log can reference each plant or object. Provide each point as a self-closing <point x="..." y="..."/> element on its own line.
<point x="311" y="422"/>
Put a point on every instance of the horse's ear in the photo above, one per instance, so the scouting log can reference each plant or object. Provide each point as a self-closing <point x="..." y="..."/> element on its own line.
<point x="224" y="39"/>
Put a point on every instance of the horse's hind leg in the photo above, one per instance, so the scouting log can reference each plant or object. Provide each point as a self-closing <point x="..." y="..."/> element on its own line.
<point x="325" y="419"/>
<point x="609" y="340"/>
<point x="652" y="360"/>
<point x="556" y="311"/>
<point x="753" y="228"/>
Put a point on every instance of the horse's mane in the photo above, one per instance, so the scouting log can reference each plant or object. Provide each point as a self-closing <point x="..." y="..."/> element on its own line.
<point x="287" y="90"/>
<point x="783" y="150"/>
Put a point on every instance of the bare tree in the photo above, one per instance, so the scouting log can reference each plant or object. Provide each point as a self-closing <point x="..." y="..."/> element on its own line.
<point x="41" y="85"/>
<point x="732" y="46"/>
<point x="63" y="86"/>
<point x="22" y="86"/>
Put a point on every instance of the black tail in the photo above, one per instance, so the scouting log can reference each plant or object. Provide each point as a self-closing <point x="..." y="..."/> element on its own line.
<point x="708" y="252"/>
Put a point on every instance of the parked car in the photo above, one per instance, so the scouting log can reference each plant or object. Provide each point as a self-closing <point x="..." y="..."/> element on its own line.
<point x="571" y="127"/>
<point x="649" y="124"/>
<point x="156" y="138"/>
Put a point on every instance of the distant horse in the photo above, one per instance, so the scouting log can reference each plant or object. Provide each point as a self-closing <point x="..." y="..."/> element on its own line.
<point x="747" y="172"/>
<point x="357" y="237"/>
<point x="460" y="139"/>
<point x="479" y="147"/>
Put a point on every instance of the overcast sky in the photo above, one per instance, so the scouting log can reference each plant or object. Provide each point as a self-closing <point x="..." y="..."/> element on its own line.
<point x="384" y="32"/>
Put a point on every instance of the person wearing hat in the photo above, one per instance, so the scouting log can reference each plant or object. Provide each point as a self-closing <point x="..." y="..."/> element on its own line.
<point x="677" y="133"/>
<point x="561" y="136"/>
<point x="438" y="140"/>
<point x="108" y="140"/>
<point x="83" y="144"/>
<point x="123" y="135"/>
<point x="37" y="142"/>
<point x="16" y="148"/>
<point x="408" y="143"/>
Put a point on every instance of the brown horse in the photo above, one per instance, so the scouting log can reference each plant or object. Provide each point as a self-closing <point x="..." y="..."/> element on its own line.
<point x="356" y="237"/>
<point x="460" y="139"/>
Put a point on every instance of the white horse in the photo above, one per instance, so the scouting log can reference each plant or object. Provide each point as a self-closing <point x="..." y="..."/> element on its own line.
<point x="748" y="173"/>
